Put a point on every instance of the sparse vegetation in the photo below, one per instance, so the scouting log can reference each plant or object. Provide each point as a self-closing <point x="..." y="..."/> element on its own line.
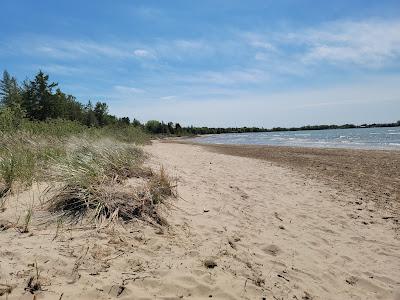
<point x="85" y="154"/>
<point x="161" y="186"/>
<point x="27" y="220"/>
<point x="93" y="180"/>
<point x="16" y="165"/>
<point x="88" y="172"/>
<point x="33" y="284"/>
<point x="89" y="176"/>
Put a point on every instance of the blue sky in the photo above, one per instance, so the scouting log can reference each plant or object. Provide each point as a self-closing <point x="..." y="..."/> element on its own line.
<point x="215" y="63"/>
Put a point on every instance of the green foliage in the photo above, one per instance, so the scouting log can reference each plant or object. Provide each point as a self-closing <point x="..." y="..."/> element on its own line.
<point x="136" y="123"/>
<point x="37" y="101"/>
<point x="54" y="113"/>
<point x="10" y="93"/>
<point x="17" y="165"/>
<point x="53" y="128"/>
<point x="153" y="126"/>
<point x="101" y="113"/>
<point x="27" y="152"/>
<point x="91" y="175"/>
<point x="161" y="186"/>
<point x="127" y="134"/>
<point x="10" y="118"/>
<point x="92" y="161"/>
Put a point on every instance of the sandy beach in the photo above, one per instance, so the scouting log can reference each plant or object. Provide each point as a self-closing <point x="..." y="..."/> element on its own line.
<point x="248" y="223"/>
<point x="372" y="174"/>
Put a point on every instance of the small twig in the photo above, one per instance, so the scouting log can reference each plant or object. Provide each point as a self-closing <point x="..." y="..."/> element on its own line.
<point x="80" y="228"/>
<point x="118" y="255"/>
<point x="281" y="276"/>
<point x="245" y="284"/>
<point x="277" y="216"/>
<point x="134" y="278"/>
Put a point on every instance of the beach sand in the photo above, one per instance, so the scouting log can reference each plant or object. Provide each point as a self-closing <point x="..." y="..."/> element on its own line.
<point x="241" y="228"/>
<point x="372" y="174"/>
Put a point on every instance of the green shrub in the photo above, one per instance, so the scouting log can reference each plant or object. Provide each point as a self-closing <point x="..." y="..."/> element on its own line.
<point x="10" y="119"/>
<point x="53" y="128"/>
<point x="17" y="165"/>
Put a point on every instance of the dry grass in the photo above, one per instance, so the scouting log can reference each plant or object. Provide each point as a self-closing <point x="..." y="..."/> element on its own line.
<point x="93" y="184"/>
<point x="87" y="172"/>
<point x="27" y="220"/>
<point x="161" y="186"/>
<point x="23" y="157"/>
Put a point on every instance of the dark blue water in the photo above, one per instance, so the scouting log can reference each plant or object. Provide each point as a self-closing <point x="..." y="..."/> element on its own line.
<point x="359" y="138"/>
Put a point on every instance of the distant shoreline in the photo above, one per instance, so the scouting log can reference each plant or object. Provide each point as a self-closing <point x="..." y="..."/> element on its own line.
<point x="371" y="139"/>
<point x="221" y="130"/>
<point x="323" y="127"/>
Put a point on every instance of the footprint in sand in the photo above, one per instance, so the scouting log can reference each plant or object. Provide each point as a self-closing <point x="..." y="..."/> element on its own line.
<point x="272" y="250"/>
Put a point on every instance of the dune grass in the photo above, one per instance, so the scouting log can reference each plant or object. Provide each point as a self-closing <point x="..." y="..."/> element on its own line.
<point x="93" y="178"/>
<point x="17" y="164"/>
<point x="87" y="167"/>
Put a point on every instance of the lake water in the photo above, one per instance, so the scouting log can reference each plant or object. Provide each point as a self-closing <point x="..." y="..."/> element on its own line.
<point x="360" y="138"/>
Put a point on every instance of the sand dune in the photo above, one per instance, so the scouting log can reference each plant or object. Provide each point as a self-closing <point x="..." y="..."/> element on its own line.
<point x="241" y="229"/>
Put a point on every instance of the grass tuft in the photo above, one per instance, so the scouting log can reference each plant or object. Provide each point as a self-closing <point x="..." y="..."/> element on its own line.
<point x="18" y="165"/>
<point x="88" y="168"/>
<point x="93" y="185"/>
<point x="27" y="220"/>
<point x="161" y="186"/>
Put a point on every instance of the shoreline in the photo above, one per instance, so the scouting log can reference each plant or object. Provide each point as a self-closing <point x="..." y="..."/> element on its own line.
<point x="185" y="140"/>
<point x="374" y="175"/>
<point x="388" y="149"/>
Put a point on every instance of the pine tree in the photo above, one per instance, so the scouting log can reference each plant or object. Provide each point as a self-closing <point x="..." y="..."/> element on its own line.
<point x="10" y="93"/>
<point x="101" y="112"/>
<point x="90" y="119"/>
<point x="38" y="99"/>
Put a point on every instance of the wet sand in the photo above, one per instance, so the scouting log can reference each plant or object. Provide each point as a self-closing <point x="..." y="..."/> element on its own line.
<point x="372" y="174"/>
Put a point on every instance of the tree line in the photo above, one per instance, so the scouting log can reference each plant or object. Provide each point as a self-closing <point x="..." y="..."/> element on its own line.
<point x="40" y="99"/>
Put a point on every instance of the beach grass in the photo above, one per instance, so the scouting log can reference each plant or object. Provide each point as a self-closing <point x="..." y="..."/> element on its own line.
<point x="87" y="169"/>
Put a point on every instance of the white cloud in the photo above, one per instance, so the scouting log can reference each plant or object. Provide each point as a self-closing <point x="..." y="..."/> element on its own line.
<point x="257" y="40"/>
<point x="168" y="97"/>
<point x="375" y="100"/>
<point x="227" y="77"/>
<point x="190" y="44"/>
<point x="368" y="43"/>
<point x="143" y="53"/>
<point x="68" y="49"/>
<point x="62" y="69"/>
<point x="127" y="90"/>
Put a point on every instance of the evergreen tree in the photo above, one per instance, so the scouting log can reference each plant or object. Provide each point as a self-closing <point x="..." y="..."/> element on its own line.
<point x="136" y="123"/>
<point x="178" y="128"/>
<point x="90" y="119"/>
<point x="38" y="99"/>
<point x="101" y="112"/>
<point x="153" y="126"/>
<point x="124" y="121"/>
<point x="171" y="128"/>
<point x="10" y="93"/>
